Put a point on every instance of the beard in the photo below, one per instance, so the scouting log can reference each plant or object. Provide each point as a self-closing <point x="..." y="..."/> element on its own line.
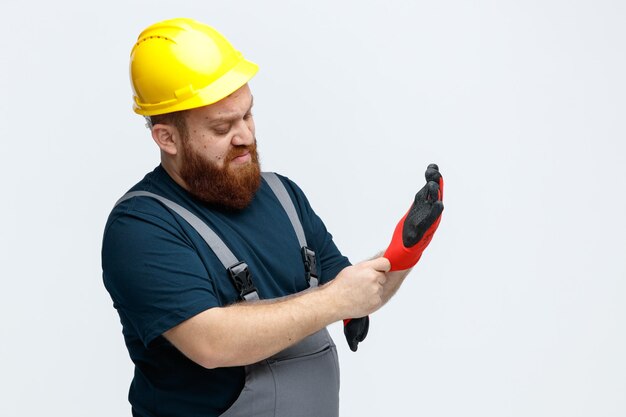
<point x="231" y="187"/>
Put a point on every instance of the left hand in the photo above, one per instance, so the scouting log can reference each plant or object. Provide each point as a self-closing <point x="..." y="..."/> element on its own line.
<point x="416" y="229"/>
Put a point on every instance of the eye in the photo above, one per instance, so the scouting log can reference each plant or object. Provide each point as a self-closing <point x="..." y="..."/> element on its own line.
<point x="221" y="129"/>
<point x="248" y="116"/>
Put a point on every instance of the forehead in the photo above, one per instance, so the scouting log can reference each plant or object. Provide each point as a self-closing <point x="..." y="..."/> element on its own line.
<point x="234" y="105"/>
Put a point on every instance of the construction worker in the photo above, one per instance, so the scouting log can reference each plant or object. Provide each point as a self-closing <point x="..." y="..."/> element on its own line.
<point x="224" y="277"/>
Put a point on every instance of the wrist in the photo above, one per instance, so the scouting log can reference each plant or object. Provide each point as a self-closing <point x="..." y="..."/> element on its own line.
<point x="331" y="303"/>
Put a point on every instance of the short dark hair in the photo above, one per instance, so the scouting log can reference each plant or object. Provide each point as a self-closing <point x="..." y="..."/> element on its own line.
<point x="178" y="119"/>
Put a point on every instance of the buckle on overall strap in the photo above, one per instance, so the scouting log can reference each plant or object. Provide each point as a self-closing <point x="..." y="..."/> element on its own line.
<point x="310" y="266"/>
<point x="242" y="278"/>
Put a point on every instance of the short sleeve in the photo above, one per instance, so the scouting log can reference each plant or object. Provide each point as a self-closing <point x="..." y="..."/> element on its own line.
<point x="318" y="237"/>
<point x="153" y="274"/>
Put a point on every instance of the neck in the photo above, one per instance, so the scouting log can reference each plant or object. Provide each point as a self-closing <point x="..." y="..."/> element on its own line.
<point x="170" y="166"/>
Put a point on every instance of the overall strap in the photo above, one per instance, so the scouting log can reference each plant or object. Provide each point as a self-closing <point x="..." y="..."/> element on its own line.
<point x="281" y="193"/>
<point x="238" y="270"/>
<point x="308" y="255"/>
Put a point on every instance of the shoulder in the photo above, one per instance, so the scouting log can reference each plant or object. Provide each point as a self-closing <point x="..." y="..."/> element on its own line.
<point x="137" y="213"/>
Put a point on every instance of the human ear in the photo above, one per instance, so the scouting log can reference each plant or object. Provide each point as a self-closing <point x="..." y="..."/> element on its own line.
<point x="166" y="138"/>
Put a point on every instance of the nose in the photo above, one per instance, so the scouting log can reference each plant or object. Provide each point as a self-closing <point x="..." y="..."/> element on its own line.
<point x="244" y="134"/>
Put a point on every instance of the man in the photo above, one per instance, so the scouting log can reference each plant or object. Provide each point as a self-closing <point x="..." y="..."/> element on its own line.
<point x="224" y="278"/>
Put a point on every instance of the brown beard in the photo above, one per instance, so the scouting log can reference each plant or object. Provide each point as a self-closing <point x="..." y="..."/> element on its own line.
<point x="230" y="188"/>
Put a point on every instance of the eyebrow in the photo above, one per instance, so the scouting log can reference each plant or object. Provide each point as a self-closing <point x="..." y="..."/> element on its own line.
<point x="231" y="118"/>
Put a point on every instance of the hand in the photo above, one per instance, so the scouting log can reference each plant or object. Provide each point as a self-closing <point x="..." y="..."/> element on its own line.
<point x="416" y="229"/>
<point x="358" y="290"/>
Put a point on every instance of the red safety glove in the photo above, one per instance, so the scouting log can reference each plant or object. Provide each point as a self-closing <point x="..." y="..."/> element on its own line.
<point x="416" y="229"/>
<point x="413" y="233"/>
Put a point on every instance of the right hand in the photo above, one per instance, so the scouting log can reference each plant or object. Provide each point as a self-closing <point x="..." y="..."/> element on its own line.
<point x="358" y="290"/>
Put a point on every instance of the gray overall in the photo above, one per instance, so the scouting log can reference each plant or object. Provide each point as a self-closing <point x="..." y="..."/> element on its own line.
<point x="300" y="381"/>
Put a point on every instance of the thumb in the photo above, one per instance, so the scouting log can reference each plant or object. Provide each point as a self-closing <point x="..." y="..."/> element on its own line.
<point x="379" y="264"/>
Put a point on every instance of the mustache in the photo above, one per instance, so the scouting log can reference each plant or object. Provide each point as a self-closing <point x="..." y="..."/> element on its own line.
<point x="239" y="150"/>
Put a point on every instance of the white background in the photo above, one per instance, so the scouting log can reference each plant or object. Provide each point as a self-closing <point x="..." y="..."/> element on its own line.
<point x="518" y="306"/>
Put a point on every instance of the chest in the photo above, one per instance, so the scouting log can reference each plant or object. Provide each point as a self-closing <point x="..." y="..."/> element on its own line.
<point x="261" y="236"/>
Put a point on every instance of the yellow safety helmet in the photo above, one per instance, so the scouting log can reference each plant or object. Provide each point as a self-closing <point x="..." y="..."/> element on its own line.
<point x="182" y="64"/>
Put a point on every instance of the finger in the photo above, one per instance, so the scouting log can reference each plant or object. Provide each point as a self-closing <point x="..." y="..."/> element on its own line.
<point x="432" y="173"/>
<point x="433" y="191"/>
<point x="427" y="222"/>
<point x="435" y="212"/>
<point x="379" y="264"/>
<point x="364" y="325"/>
<point x="353" y="345"/>
<point x="421" y="195"/>
<point x="440" y="188"/>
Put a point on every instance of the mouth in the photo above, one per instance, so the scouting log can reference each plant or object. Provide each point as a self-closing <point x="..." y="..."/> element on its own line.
<point x="242" y="158"/>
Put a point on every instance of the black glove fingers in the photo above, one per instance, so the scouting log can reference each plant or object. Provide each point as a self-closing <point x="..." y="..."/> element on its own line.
<point x="415" y="224"/>
<point x="432" y="173"/>
<point x="435" y="212"/>
<point x="353" y="345"/>
<point x="433" y="191"/>
<point x="356" y="331"/>
<point x="420" y="224"/>
<point x="425" y="210"/>
<point x="364" y="326"/>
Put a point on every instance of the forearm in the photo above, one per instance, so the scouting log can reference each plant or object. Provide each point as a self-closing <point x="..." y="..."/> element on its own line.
<point x="247" y="332"/>
<point x="267" y="327"/>
<point x="394" y="281"/>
